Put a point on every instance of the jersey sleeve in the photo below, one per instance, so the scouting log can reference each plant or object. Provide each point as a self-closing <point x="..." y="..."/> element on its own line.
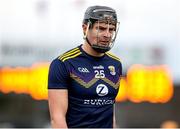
<point x="58" y="75"/>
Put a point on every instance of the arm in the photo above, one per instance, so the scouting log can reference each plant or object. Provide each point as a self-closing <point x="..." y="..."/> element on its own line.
<point x="114" y="113"/>
<point x="58" y="93"/>
<point x="114" y="118"/>
<point x="58" y="104"/>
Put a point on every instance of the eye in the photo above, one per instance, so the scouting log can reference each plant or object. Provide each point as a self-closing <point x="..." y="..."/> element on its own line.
<point x="111" y="29"/>
<point x="102" y="28"/>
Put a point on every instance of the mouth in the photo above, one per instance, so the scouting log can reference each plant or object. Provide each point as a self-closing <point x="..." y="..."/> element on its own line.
<point x="104" y="43"/>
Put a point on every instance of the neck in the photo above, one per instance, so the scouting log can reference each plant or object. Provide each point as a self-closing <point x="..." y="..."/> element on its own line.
<point x="89" y="50"/>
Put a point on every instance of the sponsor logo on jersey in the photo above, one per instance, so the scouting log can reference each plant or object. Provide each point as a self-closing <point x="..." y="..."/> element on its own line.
<point x="102" y="90"/>
<point x="98" y="67"/>
<point x="98" y="102"/>
<point x="112" y="70"/>
<point x="83" y="70"/>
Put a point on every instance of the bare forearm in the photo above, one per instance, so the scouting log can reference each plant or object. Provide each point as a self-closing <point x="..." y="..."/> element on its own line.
<point x="114" y="118"/>
<point x="58" y="104"/>
<point x="58" y="123"/>
<point x="114" y="122"/>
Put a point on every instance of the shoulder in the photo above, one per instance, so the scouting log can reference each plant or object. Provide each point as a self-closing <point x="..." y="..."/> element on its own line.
<point x="58" y="68"/>
<point x="70" y="54"/>
<point x="113" y="57"/>
<point x="56" y="64"/>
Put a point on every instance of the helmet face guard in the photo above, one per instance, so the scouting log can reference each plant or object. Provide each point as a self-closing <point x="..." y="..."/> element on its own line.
<point x="101" y="14"/>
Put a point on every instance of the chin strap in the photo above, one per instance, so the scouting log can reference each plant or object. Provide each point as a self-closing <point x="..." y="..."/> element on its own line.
<point x="98" y="48"/>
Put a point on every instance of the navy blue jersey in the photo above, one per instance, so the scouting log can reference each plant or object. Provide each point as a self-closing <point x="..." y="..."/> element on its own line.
<point x="92" y="84"/>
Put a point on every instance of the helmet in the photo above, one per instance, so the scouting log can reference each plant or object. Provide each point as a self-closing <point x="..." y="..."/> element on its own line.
<point x="101" y="13"/>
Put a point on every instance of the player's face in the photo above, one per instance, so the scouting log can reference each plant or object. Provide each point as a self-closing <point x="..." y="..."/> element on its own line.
<point x="101" y="33"/>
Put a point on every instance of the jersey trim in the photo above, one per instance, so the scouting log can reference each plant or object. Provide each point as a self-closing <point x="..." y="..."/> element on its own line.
<point x="113" y="56"/>
<point x="82" y="82"/>
<point x="73" y="56"/>
<point x="70" y="54"/>
<point x="93" y="81"/>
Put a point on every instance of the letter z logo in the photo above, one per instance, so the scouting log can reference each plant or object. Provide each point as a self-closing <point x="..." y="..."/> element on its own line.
<point x="102" y="90"/>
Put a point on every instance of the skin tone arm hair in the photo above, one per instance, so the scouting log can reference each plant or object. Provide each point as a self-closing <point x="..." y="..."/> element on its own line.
<point x="114" y="119"/>
<point x="58" y="104"/>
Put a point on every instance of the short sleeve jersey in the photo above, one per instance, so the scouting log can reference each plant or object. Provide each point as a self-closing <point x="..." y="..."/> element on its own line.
<point x="92" y="84"/>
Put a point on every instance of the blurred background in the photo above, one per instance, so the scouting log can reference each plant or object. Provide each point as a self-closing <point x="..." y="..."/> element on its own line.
<point x="34" y="32"/>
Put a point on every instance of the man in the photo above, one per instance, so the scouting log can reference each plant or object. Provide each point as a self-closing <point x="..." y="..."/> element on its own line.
<point x="84" y="81"/>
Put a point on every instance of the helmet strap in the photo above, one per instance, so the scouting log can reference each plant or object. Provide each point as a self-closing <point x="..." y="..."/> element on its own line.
<point x="98" y="48"/>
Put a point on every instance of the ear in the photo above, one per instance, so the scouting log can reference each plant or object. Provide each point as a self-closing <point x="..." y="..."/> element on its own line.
<point x="84" y="27"/>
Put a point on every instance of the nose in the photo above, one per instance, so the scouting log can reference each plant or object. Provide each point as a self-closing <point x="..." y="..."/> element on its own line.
<point x="107" y="33"/>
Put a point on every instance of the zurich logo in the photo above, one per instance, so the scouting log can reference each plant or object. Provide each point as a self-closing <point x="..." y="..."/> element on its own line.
<point x="102" y="90"/>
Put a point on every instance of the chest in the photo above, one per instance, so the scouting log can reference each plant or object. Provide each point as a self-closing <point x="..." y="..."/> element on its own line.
<point x="94" y="79"/>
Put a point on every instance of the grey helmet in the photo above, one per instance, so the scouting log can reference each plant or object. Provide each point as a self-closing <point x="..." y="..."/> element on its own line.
<point x="101" y="13"/>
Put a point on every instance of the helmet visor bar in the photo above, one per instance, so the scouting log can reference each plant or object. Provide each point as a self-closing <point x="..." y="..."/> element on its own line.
<point x="103" y="14"/>
<point x="113" y="33"/>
